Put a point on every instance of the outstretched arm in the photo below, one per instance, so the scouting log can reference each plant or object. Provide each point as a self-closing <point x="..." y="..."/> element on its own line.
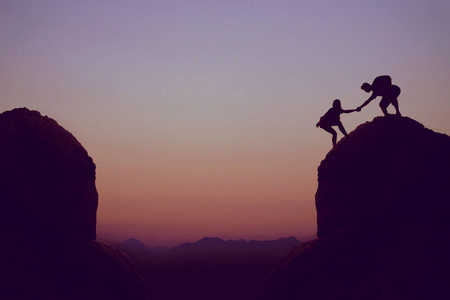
<point x="318" y="123"/>
<point x="366" y="102"/>
<point x="347" y="111"/>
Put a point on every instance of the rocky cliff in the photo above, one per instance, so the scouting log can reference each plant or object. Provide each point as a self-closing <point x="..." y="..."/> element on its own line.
<point x="383" y="219"/>
<point x="48" y="203"/>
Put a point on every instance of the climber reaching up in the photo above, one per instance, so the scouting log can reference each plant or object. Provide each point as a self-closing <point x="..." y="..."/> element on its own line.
<point x="332" y="118"/>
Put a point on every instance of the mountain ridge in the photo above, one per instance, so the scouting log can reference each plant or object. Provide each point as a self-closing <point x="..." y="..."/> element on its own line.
<point x="213" y="249"/>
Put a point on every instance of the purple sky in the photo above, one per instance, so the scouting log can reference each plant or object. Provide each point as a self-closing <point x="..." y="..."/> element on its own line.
<point x="200" y="114"/>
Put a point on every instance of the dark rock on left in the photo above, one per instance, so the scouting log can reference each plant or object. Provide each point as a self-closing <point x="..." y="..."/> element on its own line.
<point x="47" y="178"/>
<point x="48" y="206"/>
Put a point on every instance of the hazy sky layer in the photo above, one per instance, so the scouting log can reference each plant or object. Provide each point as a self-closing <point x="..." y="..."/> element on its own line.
<point x="200" y="115"/>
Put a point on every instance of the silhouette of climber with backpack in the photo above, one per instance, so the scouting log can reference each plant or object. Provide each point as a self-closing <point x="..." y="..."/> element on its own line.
<point x="332" y="118"/>
<point x="382" y="86"/>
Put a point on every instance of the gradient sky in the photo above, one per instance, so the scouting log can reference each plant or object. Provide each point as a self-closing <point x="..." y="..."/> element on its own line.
<point x="200" y="115"/>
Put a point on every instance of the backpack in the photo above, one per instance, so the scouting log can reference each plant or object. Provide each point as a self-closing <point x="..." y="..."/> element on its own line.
<point x="381" y="82"/>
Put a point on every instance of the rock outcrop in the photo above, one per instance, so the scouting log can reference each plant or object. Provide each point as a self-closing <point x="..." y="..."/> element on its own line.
<point x="48" y="203"/>
<point x="383" y="219"/>
<point x="389" y="171"/>
<point x="47" y="178"/>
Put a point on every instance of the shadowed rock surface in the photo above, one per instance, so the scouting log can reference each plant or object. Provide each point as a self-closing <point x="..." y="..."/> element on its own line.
<point x="383" y="219"/>
<point x="137" y="251"/>
<point x="55" y="264"/>
<point x="48" y="203"/>
<point x="46" y="176"/>
<point x="389" y="171"/>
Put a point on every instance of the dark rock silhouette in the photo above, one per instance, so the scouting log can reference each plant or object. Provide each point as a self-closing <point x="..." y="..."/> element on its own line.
<point x="52" y="263"/>
<point x="392" y="171"/>
<point x="48" y="218"/>
<point x="47" y="177"/>
<point x="383" y="219"/>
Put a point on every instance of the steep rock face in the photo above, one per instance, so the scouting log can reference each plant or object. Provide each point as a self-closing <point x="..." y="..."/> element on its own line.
<point x="383" y="219"/>
<point x="402" y="262"/>
<point x="48" y="205"/>
<point x="54" y="264"/>
<point x="391" y="170"/>
<point x="46" y="176"/>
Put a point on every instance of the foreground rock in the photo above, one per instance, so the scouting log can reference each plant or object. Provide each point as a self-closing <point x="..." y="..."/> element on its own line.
<point x="47" y="178"/>
<point x="48" y="218"/>
<point x="389" y="171"/>
<point x="383" y="219"/>
<point x="60" y="264"/>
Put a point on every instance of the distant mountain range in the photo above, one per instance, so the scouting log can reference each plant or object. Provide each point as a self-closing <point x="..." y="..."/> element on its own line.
<point x="211" y="249"/>
<point x="137" y="250"/>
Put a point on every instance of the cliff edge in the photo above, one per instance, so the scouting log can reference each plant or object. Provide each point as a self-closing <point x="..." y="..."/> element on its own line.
<point x="48" y="202"/>
<point x="389" y="171"/>
<point x="383" y="219"/>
